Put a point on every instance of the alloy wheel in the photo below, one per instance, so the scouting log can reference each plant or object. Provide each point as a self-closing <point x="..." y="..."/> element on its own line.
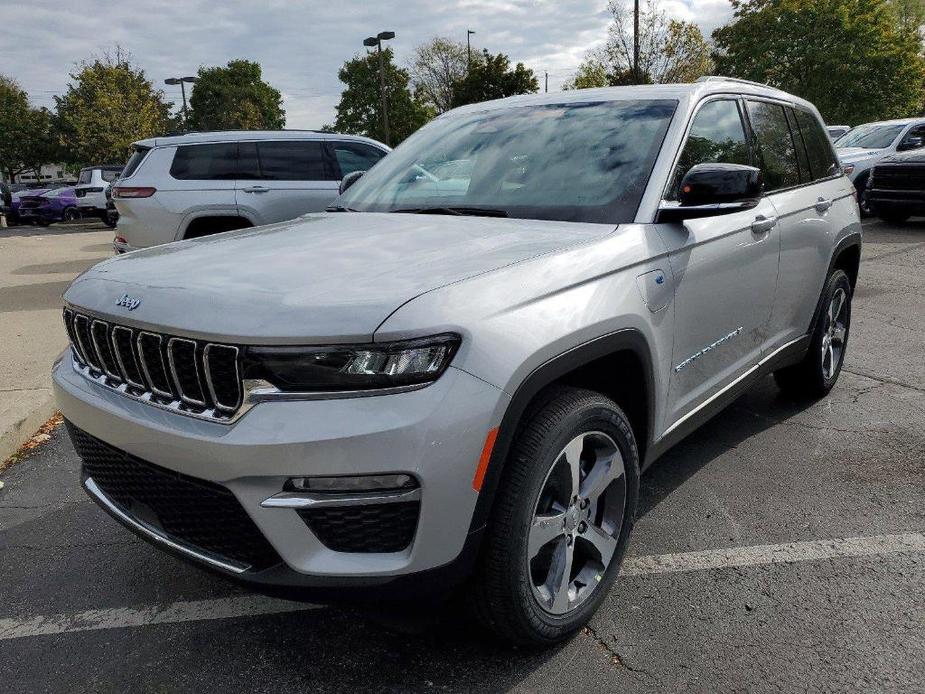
<point x="836" y="331"/>
<point x="576" y="522"/>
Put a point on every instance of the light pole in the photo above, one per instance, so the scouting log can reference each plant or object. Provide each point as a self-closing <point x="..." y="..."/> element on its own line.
<point x="636" y="41"/>
<point x="377" y="41"/>
<point x="469" y="33"/>
<point x="172" y="81"/>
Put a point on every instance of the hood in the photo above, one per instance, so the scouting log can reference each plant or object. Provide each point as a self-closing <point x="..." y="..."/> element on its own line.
<point x="848" y="155"/>
<point x="913" y="156"/>
<point x="316" y="279"/>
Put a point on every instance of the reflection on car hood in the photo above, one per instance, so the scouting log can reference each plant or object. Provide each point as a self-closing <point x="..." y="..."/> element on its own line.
<point x="319" y="278"/>
<point x="849" y="154"/>
<point x="915" y="156"/>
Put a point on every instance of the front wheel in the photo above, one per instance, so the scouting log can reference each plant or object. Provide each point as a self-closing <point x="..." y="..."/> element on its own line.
<point x="562" y="519"/>
<point x="815" y="376"/>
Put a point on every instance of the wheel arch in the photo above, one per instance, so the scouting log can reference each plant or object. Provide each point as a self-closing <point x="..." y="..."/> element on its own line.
<point x="198" y="226"/>
<point x="846" y="256"/>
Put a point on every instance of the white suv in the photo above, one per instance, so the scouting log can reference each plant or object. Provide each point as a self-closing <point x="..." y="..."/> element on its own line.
<point x="198" y="184"/>
<point x="92" y="185"/>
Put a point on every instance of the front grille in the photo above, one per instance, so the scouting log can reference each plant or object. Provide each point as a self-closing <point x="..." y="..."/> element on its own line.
<point x="190" y="376"/>
<point x="193" y="512"/>
<point x="899" y="177"/>
<point x="386" y="527"/>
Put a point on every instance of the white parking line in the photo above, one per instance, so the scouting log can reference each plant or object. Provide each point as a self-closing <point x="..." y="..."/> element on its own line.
<point x="251" y="606"/>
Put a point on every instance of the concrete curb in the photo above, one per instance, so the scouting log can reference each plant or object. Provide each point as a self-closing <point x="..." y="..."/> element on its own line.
<point x="17" y="428"/>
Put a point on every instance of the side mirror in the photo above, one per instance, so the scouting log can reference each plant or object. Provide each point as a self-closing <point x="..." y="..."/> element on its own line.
<point x="910" y="142"/>
<point x="349" y="180"/>
<point x="708" y="190"/>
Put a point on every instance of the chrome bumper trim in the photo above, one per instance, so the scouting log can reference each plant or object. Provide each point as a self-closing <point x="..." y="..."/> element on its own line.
<point x="309" y="500"/>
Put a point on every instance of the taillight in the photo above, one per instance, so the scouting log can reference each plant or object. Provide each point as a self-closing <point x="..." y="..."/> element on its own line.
<point x="127" y="192"/>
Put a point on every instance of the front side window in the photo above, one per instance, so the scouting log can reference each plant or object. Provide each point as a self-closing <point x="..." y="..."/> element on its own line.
<point x="775" y="144"/>
<point x="212" y="162"/>
<point x="293" y="160"/>
<point x="822" y="160"/>
<point x="355" y="156"/>
<point x="717" y="136"/>
<point x="580" y="162"/>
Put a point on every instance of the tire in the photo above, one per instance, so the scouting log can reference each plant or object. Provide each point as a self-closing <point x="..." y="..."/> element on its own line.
<point x="511" y="592"/>
<point x="817" y="373"/>
<point x="70" y="214"/>
<point x="861" y="185"/>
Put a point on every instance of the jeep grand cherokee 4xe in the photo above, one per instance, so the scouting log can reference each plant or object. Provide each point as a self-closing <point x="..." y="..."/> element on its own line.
<point x="458" y="372"/>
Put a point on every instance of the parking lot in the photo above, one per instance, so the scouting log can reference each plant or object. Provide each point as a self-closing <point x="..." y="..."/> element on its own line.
<point x="779" y="548"/>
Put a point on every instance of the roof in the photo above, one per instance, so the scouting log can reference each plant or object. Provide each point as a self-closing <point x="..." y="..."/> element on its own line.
<point x="248" y="135"/>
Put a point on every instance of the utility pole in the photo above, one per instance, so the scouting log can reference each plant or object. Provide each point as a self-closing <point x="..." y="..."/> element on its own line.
<point x="547" y="81"/>
<point x="636" y="41"/>
<point x="469" y="33"/>
<point x="369" y="43"/>
<point x="181" y="81"/>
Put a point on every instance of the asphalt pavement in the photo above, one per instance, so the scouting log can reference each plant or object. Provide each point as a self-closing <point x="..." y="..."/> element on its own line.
<point x="781" y="548"/>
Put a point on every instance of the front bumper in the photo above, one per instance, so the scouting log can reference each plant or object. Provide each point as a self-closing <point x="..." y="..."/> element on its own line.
<point x="435" y="433"/>
<point x="882" y="201"/>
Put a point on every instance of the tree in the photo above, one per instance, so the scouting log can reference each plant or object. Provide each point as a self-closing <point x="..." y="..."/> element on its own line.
<point x="670" y="50"/>
<point x="491" y="77"/>
<point x="14" y="124"/>
<point x="865" y="65"/>
<point x="109" y="105"/>
<point x="235" y="97"/>
<point x="359" y="111"/>
<point x="435" y="67"/>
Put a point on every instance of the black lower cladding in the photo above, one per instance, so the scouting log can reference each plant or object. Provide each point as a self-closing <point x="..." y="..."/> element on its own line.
<point x="191" y="511"/>
<point x="368" y="529"/>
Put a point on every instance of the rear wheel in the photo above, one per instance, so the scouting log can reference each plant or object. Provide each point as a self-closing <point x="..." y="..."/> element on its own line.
<point x="815" y="376"/>
<point x="70" y="214"/>
<point x="561" y="520"/>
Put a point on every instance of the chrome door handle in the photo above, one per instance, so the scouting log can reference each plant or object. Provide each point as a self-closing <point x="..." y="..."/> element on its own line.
<point x="822" y="205"/>
<point x="763" y="224"/>
<point x="255" y="189"/>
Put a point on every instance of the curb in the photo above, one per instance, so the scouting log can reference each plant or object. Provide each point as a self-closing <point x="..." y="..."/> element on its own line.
<point x="23" y="429"/>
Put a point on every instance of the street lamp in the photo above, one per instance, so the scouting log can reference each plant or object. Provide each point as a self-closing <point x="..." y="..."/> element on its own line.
<point x="173" y="81"/>
<point x="377" y="41"/>
<point x="469" y="33"/>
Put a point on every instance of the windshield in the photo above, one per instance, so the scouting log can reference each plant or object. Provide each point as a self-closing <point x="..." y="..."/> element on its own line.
<point x="870" y="136"/>
<point x="580" y="162"/>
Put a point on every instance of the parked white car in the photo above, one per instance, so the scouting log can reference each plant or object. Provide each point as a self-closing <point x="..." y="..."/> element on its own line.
<point x="867" y="144"/>
<point x="198" y="184"/>
<point x="92" y="184"/>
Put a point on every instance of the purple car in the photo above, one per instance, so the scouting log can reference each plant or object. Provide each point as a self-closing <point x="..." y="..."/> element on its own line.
<point x="43" y="206"/>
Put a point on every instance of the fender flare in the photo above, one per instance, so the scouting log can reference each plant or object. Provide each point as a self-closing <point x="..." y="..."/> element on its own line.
<point x="628" y="339"/>
<point x="851" y="240"/>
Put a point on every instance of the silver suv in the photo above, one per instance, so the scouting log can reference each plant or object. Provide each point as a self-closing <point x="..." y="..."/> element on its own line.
<point x="456" y="375"/>
<point x="187" y="186"/>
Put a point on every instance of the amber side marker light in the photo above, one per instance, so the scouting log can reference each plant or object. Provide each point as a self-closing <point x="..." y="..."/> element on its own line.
<point x="483" y="459"/>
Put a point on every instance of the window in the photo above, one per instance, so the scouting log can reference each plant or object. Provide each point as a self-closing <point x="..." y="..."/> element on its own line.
<point x="355" y="156"/>
<point x="716" y="136"/>
<point x="85" y="176"/>
<point x="216" y="162"/>
<point x="822" y="161"/>
<point x="571" y="162"/>
<point x="110" y="175"/>
<point x="134" y="161"/>
<point x="776" y="145"/>
<point x="294" y="160"/>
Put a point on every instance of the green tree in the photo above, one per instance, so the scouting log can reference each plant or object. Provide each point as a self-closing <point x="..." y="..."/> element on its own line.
<point x="108" y="105"/>
<point x="491" y="77"/>
<point x="435" y="67"/>
<point x="670" y="50"/>
<point x="235" y="97"/>
<point x="359" y="111"/>
<point x="854" y="59"/>
<point x="14" y="125"/>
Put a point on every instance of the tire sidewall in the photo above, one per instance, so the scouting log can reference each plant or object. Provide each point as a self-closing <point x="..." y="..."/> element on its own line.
<point x="837" y="280"/>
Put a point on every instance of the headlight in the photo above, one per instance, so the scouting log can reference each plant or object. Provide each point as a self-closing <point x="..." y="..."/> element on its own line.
<point x="848" y="169"/>
<point x="352" y="367"/>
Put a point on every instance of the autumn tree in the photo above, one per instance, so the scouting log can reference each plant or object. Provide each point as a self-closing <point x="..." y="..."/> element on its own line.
<point x="235" y="97"/>
<point x="108" y="105"/>
<point x="435" y="67"/>
<point x="491" y="77"/>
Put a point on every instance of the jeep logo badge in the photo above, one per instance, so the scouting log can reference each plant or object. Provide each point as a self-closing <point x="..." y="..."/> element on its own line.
<point x="129" y="302"/>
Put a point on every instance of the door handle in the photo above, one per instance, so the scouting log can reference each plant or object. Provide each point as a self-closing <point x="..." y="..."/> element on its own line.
<point x="255" y="189"/>
<point x="822" y="205"/>
<point x="763" y="224"/>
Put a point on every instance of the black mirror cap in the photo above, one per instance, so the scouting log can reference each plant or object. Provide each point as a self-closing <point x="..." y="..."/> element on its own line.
<point x="712" y="184"/>
<point x="911" y="142"/>
<point x="349" y="180"/>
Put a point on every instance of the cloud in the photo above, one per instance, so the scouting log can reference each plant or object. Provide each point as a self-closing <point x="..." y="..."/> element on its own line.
<point x="300" y="45"/>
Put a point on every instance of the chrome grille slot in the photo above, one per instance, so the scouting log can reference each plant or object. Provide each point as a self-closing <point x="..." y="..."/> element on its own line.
<point x="85" y="341"/>
<point x="152" y="364"/>
<point x="99" y="333"/>
<point x="192" y="377"/>
<point x="123" y="344"/>
<point x="184" y="367"/>
<point x="222" y="376"/>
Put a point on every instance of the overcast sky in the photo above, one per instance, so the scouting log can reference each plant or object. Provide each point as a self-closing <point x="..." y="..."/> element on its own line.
<point x="300" y="45"/>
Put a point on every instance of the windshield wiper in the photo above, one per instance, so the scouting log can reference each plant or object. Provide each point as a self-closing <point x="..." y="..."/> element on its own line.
<point x="338" y="208"/>
<point x="461" y="211"/>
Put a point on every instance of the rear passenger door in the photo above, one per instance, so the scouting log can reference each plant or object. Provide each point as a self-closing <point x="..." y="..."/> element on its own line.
<point x="296" y="177"/>
<point x="804" y="183"/>
<point x="201" y="182"/>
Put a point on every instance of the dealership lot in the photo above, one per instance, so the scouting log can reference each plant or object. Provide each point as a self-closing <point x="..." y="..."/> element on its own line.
<point x="744" y="572"/>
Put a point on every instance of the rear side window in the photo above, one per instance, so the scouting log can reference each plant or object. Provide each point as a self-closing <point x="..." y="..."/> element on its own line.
<point x="805" y="174"/>
<point x="776" y="145"/>
<point x="134" y="161"/>
<point x="822" y="161"/>
<point x="292" y="160"/>
<point x="213" y="162"/>
<point x="716" y="136"/>
<point x="355" y="156"/>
